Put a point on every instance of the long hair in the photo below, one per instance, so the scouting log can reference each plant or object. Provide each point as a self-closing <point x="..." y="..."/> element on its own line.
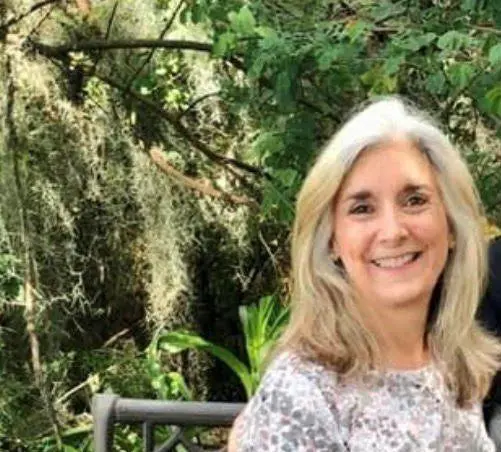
<point x="326" y="324"/>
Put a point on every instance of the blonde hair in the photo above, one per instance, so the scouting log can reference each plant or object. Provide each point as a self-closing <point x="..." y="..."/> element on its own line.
<point x="325" y="323"/>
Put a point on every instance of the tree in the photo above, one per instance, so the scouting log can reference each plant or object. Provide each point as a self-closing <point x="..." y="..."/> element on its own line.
<point x="160" y="147"/>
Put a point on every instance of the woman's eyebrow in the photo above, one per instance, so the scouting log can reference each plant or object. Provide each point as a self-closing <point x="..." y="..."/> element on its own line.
<point x="412" y="188"/>
<point x="365" y="194"/>
<point x="360" y="195"/>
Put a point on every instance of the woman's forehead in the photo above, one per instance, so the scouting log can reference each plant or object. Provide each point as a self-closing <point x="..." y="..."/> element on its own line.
<point x="395" y="164"/>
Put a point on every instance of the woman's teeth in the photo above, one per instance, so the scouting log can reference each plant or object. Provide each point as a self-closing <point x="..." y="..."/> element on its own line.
<point x="395" y="262"/>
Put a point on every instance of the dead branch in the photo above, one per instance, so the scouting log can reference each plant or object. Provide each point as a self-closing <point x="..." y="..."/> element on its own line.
<point x="201" y="185"/>
<point x="494" y="31"/>
<point x="115" y="337"/>
<point x="199" y="145"/>
<point x="228" y="163"/>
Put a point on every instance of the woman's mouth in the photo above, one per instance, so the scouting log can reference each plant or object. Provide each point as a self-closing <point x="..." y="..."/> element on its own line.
<point x="396" y="261"/>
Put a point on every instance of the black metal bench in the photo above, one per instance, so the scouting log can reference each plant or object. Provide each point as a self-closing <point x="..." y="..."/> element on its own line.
<point x="108" y="410"/>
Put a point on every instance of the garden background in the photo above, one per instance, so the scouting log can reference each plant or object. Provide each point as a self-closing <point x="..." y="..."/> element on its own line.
<point x="150" y="154"/>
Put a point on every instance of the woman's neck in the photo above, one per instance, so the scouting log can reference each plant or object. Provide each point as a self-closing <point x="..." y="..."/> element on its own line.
<point x="401" y="335"/>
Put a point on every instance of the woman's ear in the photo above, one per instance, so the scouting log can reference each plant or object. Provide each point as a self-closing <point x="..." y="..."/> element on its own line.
<point x="334" y="250"/>
<point x="451" y="241"/>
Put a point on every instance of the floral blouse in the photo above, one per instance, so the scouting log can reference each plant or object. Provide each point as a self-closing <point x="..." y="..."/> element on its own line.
<point x="302" y="406"/>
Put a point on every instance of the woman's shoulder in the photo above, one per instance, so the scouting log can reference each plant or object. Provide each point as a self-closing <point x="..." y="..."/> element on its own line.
<point x="290" y="367"/>
<point x="306" y="382"/>
<point x="289" y="410"/>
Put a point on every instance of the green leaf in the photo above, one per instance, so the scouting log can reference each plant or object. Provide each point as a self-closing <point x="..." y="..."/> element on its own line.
<point x="286" y="176"/>
<point x="461" y="74"/>
<point x="197" y="13"/>
<point x="379" y="82"/>
<point x="276" y="204"/>
<point x="179" y="386"/>
<point x="68" y="448"/>
<point x="357" y="30"/>
<point x="262" y="324"/>
<point x="284" y="87"/>
<point x="225" y="43"/>
<point x="453" y="40"/>
<point x="326" y="57"/>
<point x="386" y="10"/>
<point x="436" y="83"/>
<point x="243" y="22"/>
<point x="417" y="42"/>
<point x="495" y="55"/>
<point x="266" y="32"/>
<point x="493" y="100"/>
<point x="392" y="64"/>
<point x="177" y="341"/>
<point x="265" y="144"/>
<point x="468" y="5"/>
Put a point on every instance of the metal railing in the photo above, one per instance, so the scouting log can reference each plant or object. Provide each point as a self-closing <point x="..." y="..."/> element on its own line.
<point x="108" y="410"/>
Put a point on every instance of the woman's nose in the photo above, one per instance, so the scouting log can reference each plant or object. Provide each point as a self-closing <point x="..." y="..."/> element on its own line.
<point x="392" y="225"/>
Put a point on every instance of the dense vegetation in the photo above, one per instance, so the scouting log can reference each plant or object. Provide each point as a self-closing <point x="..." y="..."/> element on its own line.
<point x="151" y="152"/>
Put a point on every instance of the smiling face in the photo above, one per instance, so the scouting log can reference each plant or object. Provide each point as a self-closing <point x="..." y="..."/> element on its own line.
<point x="390" y="227"/>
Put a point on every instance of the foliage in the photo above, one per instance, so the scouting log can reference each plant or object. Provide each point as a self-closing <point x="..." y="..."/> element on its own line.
<point x="486" y="169"/>
<point x="10" y="281"/>
<point x="168" y="385"/>
<point x="237" y="105"/>
<point x="262" y="324"/>
<point x="304" y="68"/>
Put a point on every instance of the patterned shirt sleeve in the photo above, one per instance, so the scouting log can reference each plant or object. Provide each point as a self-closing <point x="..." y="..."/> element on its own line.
<point x="288" y="413"/>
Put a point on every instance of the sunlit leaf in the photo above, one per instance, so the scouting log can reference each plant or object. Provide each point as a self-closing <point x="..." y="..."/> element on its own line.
<point x="176" y="341"/>
<point x="495" y="55"/>
<point x="453" y="40"/>
<point x="243" y="22"/>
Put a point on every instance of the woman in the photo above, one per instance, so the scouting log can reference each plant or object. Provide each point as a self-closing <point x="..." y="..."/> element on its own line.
<point x="382" y="351"/>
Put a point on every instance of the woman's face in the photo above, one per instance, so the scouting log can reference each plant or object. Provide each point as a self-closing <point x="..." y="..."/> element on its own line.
<point x="390" y="228"/>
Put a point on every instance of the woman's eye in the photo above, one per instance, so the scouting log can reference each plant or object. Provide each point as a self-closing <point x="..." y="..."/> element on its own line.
<point x="416" y="200"/>
<point x="360" y="209"/>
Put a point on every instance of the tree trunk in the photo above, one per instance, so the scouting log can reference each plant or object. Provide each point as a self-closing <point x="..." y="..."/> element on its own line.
<point x="10" y="143"/>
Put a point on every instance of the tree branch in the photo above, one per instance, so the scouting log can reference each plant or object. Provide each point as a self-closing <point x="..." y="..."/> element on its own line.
<point x="107" y="34"/>
<point x="41" y="21"/>
<point x="492" y="30"/>
<point x="62" y="51"/>
<point x="228" y="163"/>
<point x="196" y="102"/>
<point x="110" y="20"/>
<point x="4" y="27"/>
<point x="98" y="44"/>
<point x="152" y="52"/>
<point x="202" y="147"/>
<point x="203" y="186"/>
